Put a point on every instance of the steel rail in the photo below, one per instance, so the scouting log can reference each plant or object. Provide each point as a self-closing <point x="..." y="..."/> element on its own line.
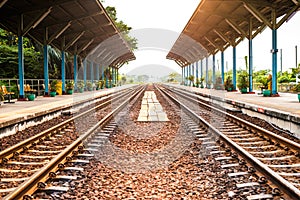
<point x="254" y="128"/>
<point x="9" y="152"/>
<point x="287" y="187"/>
<point x="29" y="186"/>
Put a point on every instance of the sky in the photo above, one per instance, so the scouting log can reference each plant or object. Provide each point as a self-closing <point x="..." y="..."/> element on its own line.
<point x="157" y="24"/>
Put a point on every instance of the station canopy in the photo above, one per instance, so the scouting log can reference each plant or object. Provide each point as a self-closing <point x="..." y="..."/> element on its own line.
<point x="218" y="24"/>
<point x="79" y="27"/>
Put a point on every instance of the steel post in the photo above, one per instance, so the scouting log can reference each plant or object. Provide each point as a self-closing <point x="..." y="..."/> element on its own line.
<point x="46" y="70"/>
<point x="21" y="67"/>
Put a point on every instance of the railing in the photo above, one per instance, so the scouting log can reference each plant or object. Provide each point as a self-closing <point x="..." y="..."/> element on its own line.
<point x="12" y="85"/>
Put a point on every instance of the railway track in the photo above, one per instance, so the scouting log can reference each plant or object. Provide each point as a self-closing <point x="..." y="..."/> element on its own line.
<point x="21" y="161"/>
<point x="276" y="157"/>
<point x="197" y="160"/>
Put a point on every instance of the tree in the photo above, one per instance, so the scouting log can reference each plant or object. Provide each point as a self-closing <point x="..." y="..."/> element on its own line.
<point x="123" y="28"/>
<point x="9" y="57"/>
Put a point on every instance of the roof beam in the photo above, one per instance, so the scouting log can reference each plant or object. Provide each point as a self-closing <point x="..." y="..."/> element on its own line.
<point x="224" y="37"/>
<point x="296" y="2"/>
<point x="40" y="6"/>
<point x="85" y="46"/>
<point x="236" y="27"/>
<point x="2" y="3"/>
<point x="36" y="21"/>
<point x="288" y="15"/>
<point x="59" y="32"/>
<point x="71" y="19"/>
<point x="257" y="14"/>
<point x="74" y="40"/>
<point x="90" y="28"/>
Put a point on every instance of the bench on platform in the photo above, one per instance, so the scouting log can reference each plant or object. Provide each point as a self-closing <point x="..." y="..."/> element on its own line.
<point x="27" y="89"/>
<point x="6" y="94"/>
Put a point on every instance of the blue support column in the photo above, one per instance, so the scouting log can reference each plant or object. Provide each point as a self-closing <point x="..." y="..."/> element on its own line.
<point x="222" y="66"/>
<point x="193" y="73"/>
<point x="46" y="71"/>
<point x="75" y="71"/>
<point x="193" y="70"/>
<point x="234" y="67"/>
<point x="21" y="67"/>
<point x="97" y="72"/>
<point x="182" y="75"/>
<point x="274" y="61"/>
<point x="214" y="70"/>
<point x="186" y="72"/>
<point x="84" y="71"/>
<point x="102" y="73"/>
<point x="201" y="69"/>
<point x="250" y="65"/>
<point x="92" y="71"/>
<point x="206" y="73"/>
<point x="190" y="73"/>
<point x="63" y="72"/>
<point x="113" y="76"/>
<point x="197" y="74"/>
<point x="106" y="79"/>
<point x="117" y="75"/>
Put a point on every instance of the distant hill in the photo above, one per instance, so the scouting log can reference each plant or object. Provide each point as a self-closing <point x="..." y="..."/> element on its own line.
<point x="156" y="71"/>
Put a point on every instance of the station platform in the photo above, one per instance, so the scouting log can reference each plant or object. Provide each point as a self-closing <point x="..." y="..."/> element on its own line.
<point x="24" y="110"/>
<point x="282" y="111"/>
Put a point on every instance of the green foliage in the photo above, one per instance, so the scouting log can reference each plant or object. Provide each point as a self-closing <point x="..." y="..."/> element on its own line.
<point x="70" y="85"/>
<point x="283" y="79"/>
<point x="218" y="84"/>
<point x="228" y="85"/>
<point x="99" y="84"/>
<point x="9" y="57"/>
<point x="123" y="28"/>
<point x="191" y="78"/>
<point x="264" y="80"/>
<point x="89" y="84"/>
<point x="296" y="88"/>
<point x="1" y="96"/>
<point x="243" y="81"/>
<point x="53" y="85"/>
<point x="80" y="84"/>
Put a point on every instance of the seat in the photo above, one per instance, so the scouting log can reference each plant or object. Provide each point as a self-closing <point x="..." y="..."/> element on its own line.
<point x="8" y="94"/>
<point x="28" y="89"/>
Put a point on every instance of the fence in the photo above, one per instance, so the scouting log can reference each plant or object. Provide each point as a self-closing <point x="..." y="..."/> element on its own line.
<point x="12" y="85"/>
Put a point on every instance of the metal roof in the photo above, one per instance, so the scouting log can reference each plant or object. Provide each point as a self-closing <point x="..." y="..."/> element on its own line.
<point x="76" y="26"/>
<point x="218" y="24"/>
